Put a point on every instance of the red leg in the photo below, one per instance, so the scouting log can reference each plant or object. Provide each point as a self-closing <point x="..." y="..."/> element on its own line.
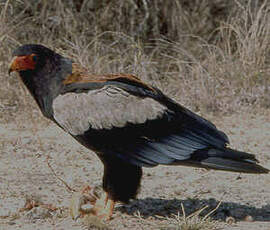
<point x="86" y="203"/>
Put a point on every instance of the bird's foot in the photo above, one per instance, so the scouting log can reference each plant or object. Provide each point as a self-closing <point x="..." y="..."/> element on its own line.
<point x="82" y="202"/>
<point x="103" y="207"/>
<point x="92" y="203"/>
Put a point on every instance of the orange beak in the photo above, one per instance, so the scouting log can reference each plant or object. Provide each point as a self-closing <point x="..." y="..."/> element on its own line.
<point x="13" y="66"/>
<point x="20" y="63"/>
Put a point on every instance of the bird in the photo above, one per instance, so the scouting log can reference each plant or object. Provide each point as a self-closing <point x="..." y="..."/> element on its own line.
<point x="129" y="124"/>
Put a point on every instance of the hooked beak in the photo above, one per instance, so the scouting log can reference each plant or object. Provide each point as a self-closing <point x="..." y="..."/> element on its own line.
<point x="22" y="63"/>
<point x="13" y="66"/>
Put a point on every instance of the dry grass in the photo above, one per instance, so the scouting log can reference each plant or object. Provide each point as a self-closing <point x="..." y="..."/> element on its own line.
<point x="212" y="57"/>
<point x="193" y="221"/>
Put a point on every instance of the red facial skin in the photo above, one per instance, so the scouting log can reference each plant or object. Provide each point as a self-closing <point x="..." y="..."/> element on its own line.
<point x="20" y="63"/>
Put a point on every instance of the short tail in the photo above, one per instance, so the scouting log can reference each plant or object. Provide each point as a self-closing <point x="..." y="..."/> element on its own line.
<point x="226" y="159"/>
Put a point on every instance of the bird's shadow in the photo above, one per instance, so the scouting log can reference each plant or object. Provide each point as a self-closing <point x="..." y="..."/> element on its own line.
<point x="157" y="208"/>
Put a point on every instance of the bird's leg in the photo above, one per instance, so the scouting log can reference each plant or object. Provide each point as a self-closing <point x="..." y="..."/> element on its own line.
<point x="103" y="207"/>
<point x="110" y="207"/>
<point x="88" y="203"/>
<point x="82" y="202"/>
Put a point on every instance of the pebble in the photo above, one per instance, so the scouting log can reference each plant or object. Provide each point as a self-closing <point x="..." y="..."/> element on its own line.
<point x="230" y="220"/>
<point x="248" y="218"/>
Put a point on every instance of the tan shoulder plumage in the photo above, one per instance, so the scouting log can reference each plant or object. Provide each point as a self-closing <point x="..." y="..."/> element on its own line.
<point x="82" y="75"/>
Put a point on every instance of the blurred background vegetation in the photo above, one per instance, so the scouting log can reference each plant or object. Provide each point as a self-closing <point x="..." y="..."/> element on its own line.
<point x="210" y="55"/>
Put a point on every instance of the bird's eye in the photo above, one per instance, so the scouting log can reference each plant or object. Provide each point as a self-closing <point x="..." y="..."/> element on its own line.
<point x="34" y="57"/>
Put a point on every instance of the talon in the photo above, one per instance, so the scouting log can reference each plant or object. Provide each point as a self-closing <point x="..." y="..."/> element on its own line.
<point x="109" y="209"/>
<point x="104" y="206"/>
<point x="82" y="203"/>
<point x="87" y="202"/>
<point x="77" y="201"/>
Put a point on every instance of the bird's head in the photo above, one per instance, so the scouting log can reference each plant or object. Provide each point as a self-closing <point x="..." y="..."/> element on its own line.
<point x="42" y="71"/>
<point x="31" y="58"/>
<point x="33" y="61"/>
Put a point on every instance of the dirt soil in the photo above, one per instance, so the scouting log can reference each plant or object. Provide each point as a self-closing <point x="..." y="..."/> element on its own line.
<point x="31" y="197"/>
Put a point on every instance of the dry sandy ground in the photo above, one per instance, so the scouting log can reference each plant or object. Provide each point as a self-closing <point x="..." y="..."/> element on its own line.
<point x="25" y="175"/>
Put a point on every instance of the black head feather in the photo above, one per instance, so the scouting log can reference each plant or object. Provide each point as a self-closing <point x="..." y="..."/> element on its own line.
<point x="45" y="81"/>
<point x="33" y="48"/>
<point x="42" y="54"/>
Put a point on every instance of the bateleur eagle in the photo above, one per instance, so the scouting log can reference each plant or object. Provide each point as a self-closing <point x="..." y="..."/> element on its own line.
<point x="127" y="123"/>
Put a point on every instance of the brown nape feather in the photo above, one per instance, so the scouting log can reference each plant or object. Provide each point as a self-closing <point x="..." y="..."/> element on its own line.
<point x="82" y="75"/>
<point x="78" y="73"/>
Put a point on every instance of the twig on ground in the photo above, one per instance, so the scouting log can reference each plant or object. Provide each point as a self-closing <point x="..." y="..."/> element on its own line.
<point x="59" y="178"/>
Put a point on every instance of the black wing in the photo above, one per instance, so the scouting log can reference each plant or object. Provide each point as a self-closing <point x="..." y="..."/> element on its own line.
<point x="136" y="123"/>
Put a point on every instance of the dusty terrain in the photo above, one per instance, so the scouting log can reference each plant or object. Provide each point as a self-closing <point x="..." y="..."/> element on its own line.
<point x="211" y="54"/>
<point x="26" y="176"/>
